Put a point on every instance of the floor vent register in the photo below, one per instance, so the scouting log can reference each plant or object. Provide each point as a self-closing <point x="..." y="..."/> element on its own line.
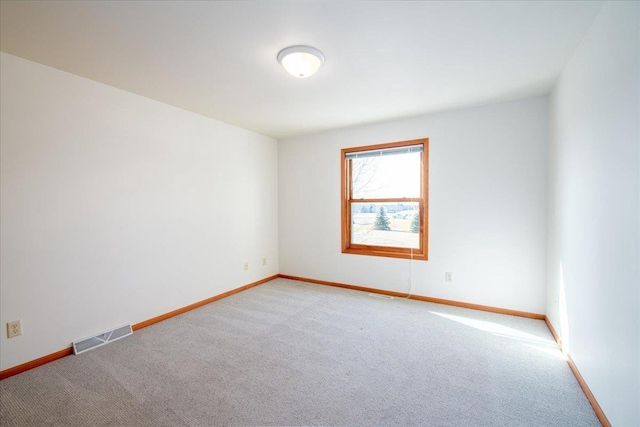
<point x="101" y="339"/>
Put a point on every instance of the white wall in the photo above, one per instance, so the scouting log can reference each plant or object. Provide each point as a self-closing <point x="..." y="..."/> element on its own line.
<point x="116" y="208"/>
<point x="594" y="207"/>
<point x="487" y="197"/>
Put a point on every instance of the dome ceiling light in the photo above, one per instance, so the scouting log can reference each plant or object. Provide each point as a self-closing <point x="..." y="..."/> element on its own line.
<point x="301" y="61"/>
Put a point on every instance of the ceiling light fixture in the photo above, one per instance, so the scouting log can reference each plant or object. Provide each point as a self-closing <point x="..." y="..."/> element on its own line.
<point x="301" y="61"/>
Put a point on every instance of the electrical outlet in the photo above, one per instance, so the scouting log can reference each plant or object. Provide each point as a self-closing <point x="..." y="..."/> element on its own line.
<point x="14" y="328"/>
<point x="246" y="265"/>
<point x="448" y="277"/>
<point x="264" y="261"/>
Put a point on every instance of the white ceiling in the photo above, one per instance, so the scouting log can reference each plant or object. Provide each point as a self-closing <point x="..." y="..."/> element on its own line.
<point x="384" y="60"/>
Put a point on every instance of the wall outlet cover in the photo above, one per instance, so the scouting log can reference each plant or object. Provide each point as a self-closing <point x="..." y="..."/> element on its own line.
<point x="14" y="328"/>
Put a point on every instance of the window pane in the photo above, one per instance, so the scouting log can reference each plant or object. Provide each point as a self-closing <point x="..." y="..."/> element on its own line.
<point x="385" y="224"/>
<point x="396" y="175"/>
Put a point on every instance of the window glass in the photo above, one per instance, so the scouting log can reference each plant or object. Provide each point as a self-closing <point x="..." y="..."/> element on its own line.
<point x="395" y="175"/>
<point x="384" y="199"/>
<point x="386" y="224"/>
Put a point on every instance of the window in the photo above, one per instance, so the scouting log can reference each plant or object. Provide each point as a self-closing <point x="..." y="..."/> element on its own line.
<point x="384" y="199"/>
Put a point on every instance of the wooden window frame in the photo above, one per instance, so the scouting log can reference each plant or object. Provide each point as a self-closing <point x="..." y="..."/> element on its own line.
<point x="347" y="200"/>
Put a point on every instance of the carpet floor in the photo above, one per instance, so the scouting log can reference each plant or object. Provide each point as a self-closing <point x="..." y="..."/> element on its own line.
<point x="293" y="353"/>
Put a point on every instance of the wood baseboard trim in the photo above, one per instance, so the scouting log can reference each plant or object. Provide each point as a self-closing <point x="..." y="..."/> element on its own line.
<point x="419" y="297"/>
<point x="576" y="373"/>
<point x="35" y="363"/>
<point x="190" y="307"/>
<point x="585" y="388"/>
<point x="556" y="337"/>
<point x="68" y="351"/>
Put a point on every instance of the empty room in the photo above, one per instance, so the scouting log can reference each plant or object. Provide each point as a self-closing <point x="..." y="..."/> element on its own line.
<point x="360" y="213"/>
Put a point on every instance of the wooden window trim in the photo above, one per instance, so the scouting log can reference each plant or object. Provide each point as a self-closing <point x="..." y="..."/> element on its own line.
<point x="423" y="200"/>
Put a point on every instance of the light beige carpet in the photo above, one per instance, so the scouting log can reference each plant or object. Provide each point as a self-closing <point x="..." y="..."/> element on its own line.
<point x="292" y="353"/>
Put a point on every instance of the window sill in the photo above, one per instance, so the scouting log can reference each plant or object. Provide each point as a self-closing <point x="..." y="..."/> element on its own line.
<point x="390" y="253"/>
